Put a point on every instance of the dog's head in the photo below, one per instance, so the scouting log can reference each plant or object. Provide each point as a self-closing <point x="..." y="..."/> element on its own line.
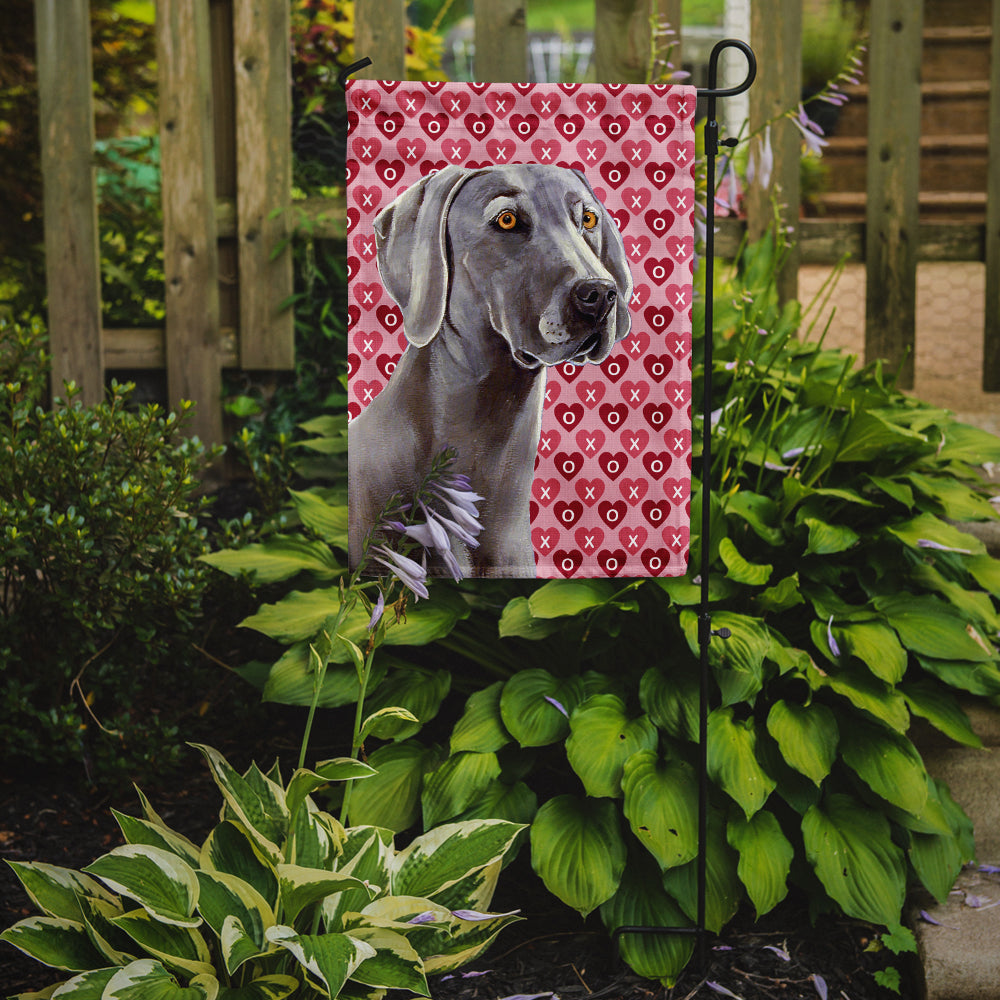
<point x="524" y="251"/>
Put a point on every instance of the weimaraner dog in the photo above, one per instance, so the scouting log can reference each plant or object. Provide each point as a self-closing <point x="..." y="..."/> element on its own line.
<point x="500" y="272"/>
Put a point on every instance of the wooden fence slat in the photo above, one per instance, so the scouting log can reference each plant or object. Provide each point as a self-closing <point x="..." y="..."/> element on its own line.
<point x="72" y="255"/>
<point x="501" y="41"/>
<point x="262" y="61"/>
<point x="621" y="40"/>
<point x="190" y="253"/>
<point x="892" y="215"/>
<point x="991" y="332"/>
<point x="776" y="35"/>
<point x="380" y="34"/>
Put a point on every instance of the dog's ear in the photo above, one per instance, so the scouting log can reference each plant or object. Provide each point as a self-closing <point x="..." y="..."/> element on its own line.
<point x="411" y="240"/>
<point x="614" y="259"/>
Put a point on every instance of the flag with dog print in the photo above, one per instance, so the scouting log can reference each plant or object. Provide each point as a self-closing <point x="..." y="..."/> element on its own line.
<point x="520" y="260"/>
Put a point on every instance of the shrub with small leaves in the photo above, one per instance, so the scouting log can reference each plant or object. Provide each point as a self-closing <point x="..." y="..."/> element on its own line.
<point x="99" y="574"/>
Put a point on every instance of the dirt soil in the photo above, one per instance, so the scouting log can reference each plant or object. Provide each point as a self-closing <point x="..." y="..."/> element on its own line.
<point x="551" y="953"/>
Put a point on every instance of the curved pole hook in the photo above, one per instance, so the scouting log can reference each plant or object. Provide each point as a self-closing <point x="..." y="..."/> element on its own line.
<point x="353" y="68"/>
<point x="713" y="69"/>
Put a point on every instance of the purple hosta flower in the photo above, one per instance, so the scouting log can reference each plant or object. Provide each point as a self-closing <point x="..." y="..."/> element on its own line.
<point x="729" y="200"/>
<point x="411" y="573"/>
<point x="820" y="984"/>
<point x="558" y="705"/>
<point x="377" y="612"/>
<point x="780" y="952"/>
<point x="834" y="648"/>
<point x="812" y="134"/>
<point x="989" y="869"/>
<point x="719" y="988"/>
<point x="475" y="915"/>
<point x="927" y="543"/>
<point x="760" y="166"/>
<point x="427" y="917"/>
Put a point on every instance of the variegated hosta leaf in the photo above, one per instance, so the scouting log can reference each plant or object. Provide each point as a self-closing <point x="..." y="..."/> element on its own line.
<point x="395" y="964"/>
<point x="328" y="959"/>
<point x="225" y="897"/>
<point x="535" y="706"/>
<point x="275" y="987"/>
<point x="86" y="986"/>
<point x="315" y="838"/>
<point x="807" y="736"/>
<point x="158" y="880"/>
<point x="456" y="785"/>
<point x="301" y="887"/>
<point x="367" y="854"/>
<point x="476" y="890"/>
<point x="149" y="980"/>
<point x="481" y="727"/>
<point x="602" y="738"/>
<point x="850" y="847"/>
<point x="765" y="858"/>
<point x="642" y="902"/>
<point x="54" y="941"/>
<point x="723" y="890"/>
<point x="732" y="760"/>
<point x="578" y="851"/>
<point x="661" y="799"/>
<point x="141" y="831"/>
<point x="304" y="782"/>
<point x="229" y="848"/>
<point x="441" y="857"/>
<point x="116" y="946"/>
<point x="466" y="941"/>
<point x="56" y="891"/>
<point x="177" y="947"/>
<point x="256" y="801"/>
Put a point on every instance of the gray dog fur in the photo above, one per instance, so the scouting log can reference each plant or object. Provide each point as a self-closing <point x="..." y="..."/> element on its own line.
<point x="485" y="311"/>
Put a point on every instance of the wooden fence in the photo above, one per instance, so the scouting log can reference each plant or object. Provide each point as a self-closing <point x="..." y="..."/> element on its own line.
<point x="226" y="160"/>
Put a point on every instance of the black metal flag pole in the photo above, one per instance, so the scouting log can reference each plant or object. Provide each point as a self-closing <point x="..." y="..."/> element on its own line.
<point x="705" y="631"/>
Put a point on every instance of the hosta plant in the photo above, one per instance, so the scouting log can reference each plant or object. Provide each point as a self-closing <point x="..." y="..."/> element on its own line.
<point x="279" y="900"/>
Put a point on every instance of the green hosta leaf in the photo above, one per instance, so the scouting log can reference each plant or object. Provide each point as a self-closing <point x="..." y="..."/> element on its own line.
<point x="828" y="539"/>
<point x="765" y="858"/>
<point x="395" y="964"/>
<point x="517" y="620"/>
<point x="438" y="859"/>
<point x="515" y="803"/>
<point x="481" y="728"/>
<point x="279" y="558"/>
<point x="723" y="889"/>
<point x="893" y="488"/>
<point x="391" y="798"/>
<point x="265" y="988"/>
<point x="301" y="887"/>
<point x="937" y="859"/>
<point x="292" y="680"/>
<point x="671" y="700"/>
<point x="965" y="443"/>
<point x="602" y="738"/>
<point x="732" y="760"/>
<point x="147" y="979"/>
<point x="180" y="948"/>
<point x="578" y="851"/>
<point x="56" y="891"/>
<point x="975" y="605"/>
<point x="738" y="661"/>
<point x="876" y="646"/>
<point x="864" y="692"/>
<point x="260" y="809"/>
<point x="558" y="598"/>
<point x="527" y="711"/>
<point x="230" y="849"/>
<point x="751" y="574"/>
<point x="141" y="831"/>
<point x="928" y="528"/>
<point x="225" y="897"/>
<point x="986" y="572"/>
<point x="870" y="436"/>
<point x="758" y="511"/>
<point x="54" y="941"/>
<point x="327" y="520"/>
<point x="941" y="709"/>
<point x="807" y="736"/>
<point x="456" y="784"/>
<point x="976" y="678"/>
<point x="641" y="901"/>
<point x="850" y="847"/>
<point x="931" y="628"/>
<point x="783" y="595"/>
<point x="415" y="689"/>
<point x="160" y="882"/>
<point x="661" y="798"/>
<point x="386" y="723"/>
<point x="957" y="501"/>
<point x="330" y="959"/>
<point x="888" y="763"/>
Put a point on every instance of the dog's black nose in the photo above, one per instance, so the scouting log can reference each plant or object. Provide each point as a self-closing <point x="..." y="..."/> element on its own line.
<point x="594" y="297"/>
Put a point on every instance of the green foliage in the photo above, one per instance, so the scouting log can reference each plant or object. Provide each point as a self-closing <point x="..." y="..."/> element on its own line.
<point x="99" y="540"/>
<point x="280" y="899"/>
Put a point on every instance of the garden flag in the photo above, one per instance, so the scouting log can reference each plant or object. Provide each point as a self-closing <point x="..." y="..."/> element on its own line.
<point x="520" y="260"/>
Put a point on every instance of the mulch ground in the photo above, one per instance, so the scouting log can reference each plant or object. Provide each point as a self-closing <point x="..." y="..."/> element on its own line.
<point x="551" y="953"/>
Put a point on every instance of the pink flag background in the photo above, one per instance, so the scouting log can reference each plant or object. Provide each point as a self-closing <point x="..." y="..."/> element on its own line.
<point x="611" y="493"/>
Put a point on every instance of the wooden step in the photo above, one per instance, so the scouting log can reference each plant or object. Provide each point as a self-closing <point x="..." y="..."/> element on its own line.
<point x="945" y="105"/>
<point x="957" y="206"/>
<point x="947" y="163"/>
<point x="956" y="53"/>
<point x="940" y="13"/>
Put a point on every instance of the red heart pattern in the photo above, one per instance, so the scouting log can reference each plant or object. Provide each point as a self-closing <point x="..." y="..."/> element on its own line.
<point x="611" y="491"/>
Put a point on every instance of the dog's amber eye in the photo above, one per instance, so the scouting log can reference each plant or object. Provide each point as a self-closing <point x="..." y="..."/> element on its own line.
<point x="507" y="221"/>
<point x="589" y="219"/>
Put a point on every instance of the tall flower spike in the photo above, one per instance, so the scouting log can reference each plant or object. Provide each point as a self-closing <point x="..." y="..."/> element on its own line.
<point x="411" y="573"/>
